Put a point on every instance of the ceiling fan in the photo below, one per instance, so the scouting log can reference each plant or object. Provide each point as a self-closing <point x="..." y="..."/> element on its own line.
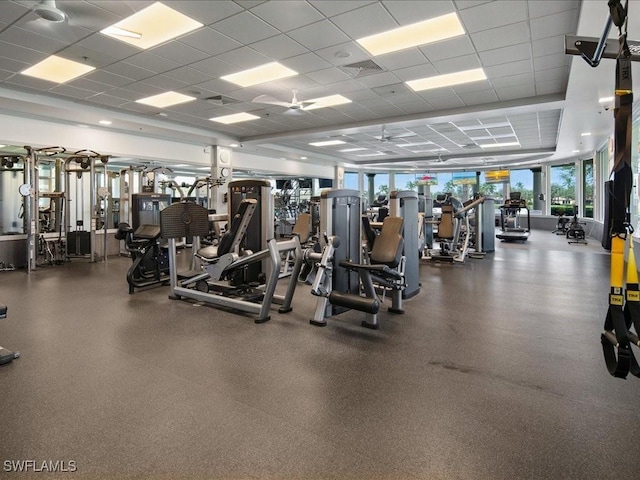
<point x="387" y="137"/>
<point x="294" y="107"/>
<point x="49" y="15"/>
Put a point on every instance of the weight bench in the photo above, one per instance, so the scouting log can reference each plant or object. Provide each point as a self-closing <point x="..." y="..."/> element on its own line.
<point x="6" y="356"/>
<point x="385" y="271"/>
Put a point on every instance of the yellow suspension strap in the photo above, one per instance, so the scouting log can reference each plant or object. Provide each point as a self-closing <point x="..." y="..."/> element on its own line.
<point x="632" y="306"/>
<point x="615" y="338"/>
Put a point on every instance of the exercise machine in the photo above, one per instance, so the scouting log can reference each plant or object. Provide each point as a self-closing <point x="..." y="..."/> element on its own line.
<point x="6" y="356"/>
<point x="575" y="233"/>
<point x="340" y="214"/>
<point x="384" y="273"/>
<point x="404" y="204"/>
<point x="511" y="219"/>
<point x="226" y="275"/>
<point x="454" y="230"/>
<point x="150" y="261"/>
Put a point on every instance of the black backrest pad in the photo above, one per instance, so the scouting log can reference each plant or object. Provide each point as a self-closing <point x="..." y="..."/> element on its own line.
<point x="227" y="241"/>
<point x="387" y="248"/>
<point x="184" y="220"/>
<point x="147" y="232"/>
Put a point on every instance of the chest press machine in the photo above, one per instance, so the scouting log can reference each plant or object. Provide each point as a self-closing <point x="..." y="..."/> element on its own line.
<point x="222" y="278"/>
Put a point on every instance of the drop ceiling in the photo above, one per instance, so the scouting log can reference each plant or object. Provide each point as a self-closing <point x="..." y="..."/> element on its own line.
<point x="536" y="100"/>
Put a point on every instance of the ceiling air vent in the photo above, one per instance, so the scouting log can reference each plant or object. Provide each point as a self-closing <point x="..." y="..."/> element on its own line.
<point x="221" y="100"/>
<point x="362" y="69"/>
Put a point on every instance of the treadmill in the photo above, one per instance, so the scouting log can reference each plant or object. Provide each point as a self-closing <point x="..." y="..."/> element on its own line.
<point x="510" y="216"/>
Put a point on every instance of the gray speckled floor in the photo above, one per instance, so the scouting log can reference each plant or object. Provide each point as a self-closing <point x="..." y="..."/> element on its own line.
<point x="494" y="372"/>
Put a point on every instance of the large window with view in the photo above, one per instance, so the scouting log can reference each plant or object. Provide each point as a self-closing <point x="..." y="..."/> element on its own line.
<point x="587" y="188"/>
<point x="522" y="181"/>
<point x="563" y="189"/>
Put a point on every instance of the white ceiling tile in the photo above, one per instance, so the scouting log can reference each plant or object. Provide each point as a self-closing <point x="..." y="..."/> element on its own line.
<point x="319" y="35"/>
<point x="331" y="7"/>
<point x="551" y="61"/>
<point x="32" y="40"/>
<point x="152" y="62"/>
<point x="543" y="9"/>
<point x="165" y="83"/>
<point x="287" y="15"/>
<point x="108" y="78"/>
<point x="214" y="67"/>
<point x="244" y="57"/>
<point x="548" y="46"/>
<point x="457" y="64"/>
<point x="70" y="91"/>
<point x="30" y="82"/>
<point x="561" y="73"/>
<point x="407" y="12"/>
<point x="478" y="98"/>
<point x="345" y="87"/>
<point x="308" y="62"/>
<point x="4" y="74"/>
<point x="90" y="85"/>
<point x="509" y="54"/>
<point x="188" y="75"/>
<point x="299" y="82"/>
<point x="209" y="41"/>
<point x="179" y="52"/>
<point x="365" y="21"/>
<point x="406" y="58"/>
<point x="373" y="103"/>
<point x="13" y="65"/>
<point x="413" y="73"/>
<point x="129" y="70"/>
<point x="502" y="36"/>
<point x="108" y="100"/>
<point x="279" y="47"/>
<point x="16" y="52"/>
<point x="379" y="79"/>
<point x="108" y="46"/>
<point x="513" y="80"/>
<point x="328" y="75"/>
<point x="217" y="85"/>
<point x="84" y="55"/>
<point x="245" y="28"/>
<point x="203" y="11"/>
<point x="454" y="47"/>
<point x="494" y="14"/>
<point x="12" y="11"/>
<point x="553" y="25"/>
<point x="516" y="68"/>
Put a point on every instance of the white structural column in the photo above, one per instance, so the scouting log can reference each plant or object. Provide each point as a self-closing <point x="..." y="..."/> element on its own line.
<point x="221" y="170"/>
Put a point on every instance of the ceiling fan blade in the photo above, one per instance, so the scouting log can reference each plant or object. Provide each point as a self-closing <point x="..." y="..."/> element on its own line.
<point x="270" y="101"/>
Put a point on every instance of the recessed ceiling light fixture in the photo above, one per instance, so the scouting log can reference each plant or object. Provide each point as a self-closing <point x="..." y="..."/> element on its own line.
<point x="151" y="26"/>
<point x="585" y="134"/>
<point x="328" y="101"/>
<point x="326" y="143"/>
<point x="347" y="150"/>
<point x="261" y="74"/>
<point x="233" y="145"/>
<point x="105" y="122"/>
<point x="234" y="118"/>
<point x="303" y="158"/>
<point x="166" y="99"/>
<point x="496" y="145"/>
<point x="414" y="144"/>
<point x="605" y="99"/>
<point x="447" y="80"/>
<point x="421" y="33"/>
<point x="57" y="69"/>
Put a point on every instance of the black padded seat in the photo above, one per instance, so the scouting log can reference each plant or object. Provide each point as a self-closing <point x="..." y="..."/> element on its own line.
<point x="387" y="249"/>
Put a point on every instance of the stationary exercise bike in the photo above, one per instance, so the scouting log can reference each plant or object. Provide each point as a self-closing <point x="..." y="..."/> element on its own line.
<point x="150" y="260"/>
<point x="575" y="230"/>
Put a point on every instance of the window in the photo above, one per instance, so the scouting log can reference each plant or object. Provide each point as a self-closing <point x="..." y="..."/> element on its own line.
<point x="522" y="181"/>
<point x="563" y="189"/>
<point x="587" y="188"/>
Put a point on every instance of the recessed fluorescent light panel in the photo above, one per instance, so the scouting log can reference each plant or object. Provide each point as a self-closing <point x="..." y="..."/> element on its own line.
<point x="347" y="150"/>
<point x="415" y="144"/>
<point x="329" y="101"/>
<point x="166" y="99"/>
<point x="262" y="74"/>
<point x="234" y="118"/>
<point x="327" y="143"/>
<point x="151" y="26"/>
<point x="421" y="33"/>
<point x="377" y="154"/>
<point x="57" y="69"/>
<point x="447" y="80"/>
<point x="605" y="99"/>
<point x="505" y="144"/>
<point x="585" y="134"/>
<point x="105" y="122"/>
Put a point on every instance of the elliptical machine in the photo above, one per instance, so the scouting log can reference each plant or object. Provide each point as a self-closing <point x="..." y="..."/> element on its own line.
<point x="150" y="260"/>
